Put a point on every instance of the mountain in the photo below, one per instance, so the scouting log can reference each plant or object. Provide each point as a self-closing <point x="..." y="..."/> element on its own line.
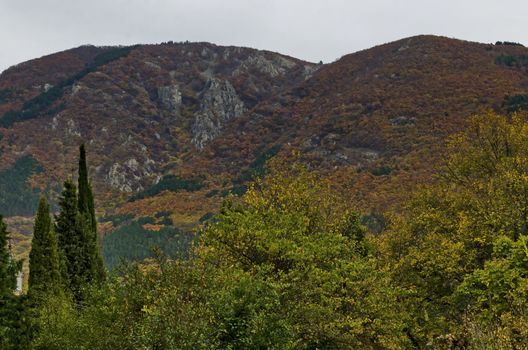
<point x="138" y="108"/>
<point x="173" y="128"/>
<point x="379" y="118"/>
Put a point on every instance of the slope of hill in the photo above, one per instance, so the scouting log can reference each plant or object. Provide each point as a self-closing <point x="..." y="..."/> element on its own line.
<point x="378" y="119"/>
<point x="139" y="109"/>
<point x="173" y="128"/>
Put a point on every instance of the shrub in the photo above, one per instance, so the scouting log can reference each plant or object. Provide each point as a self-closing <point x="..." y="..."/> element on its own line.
<point x="515" y="103"/>
<point x="518" y="61"/>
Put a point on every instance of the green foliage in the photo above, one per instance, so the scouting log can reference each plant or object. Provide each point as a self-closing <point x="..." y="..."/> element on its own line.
<point x="8" y="267"/>
<point x="86" y="208"/>
<point x="163" y="307"/>
<point x="44" y="268"/>
<point x="76" y="243"/>
<point x="16" y="195"/>
<point x="517" y="61"/>
<point x="510" y="331"/>
<point x="15" y="323"/>
<point x="162" y="214"/>
<point x="164" y="218"/>
<point x="289" y="266"/>
<point x="292" y="244"/>
<point x="375" y="222"/>
<point x="212" y="193"/>
<point x="511" y="43"/>
<point x="132" y="242"/>
<point x="13" y="326"/>
<point x="381" y="171"/>
<point x="39" y="104"/>
<point x="206" y="217"/>
<point x="452" y="249"/>
<point x="7" y="94"/>
<point x="237" y="190"/>
<point x="170" y="183"/>
<point x="117" y="219"/>
<point x="515" y="103"/>
<point x="257" y="169"/>
<point x="85" y="197"/>
<point x="146" y="220"/>
<point x="494" y="298"/>
<point x="501" y="286"/>
<point x="69" y="238"/>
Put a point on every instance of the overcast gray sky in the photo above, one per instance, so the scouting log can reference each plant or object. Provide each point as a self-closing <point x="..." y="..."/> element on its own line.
<point x="308" y="29"/>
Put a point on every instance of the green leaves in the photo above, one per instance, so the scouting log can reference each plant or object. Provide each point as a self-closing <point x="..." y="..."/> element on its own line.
<point x="44" y="265"/>
<point x="459" y="248"/>
<point x="8" y="267"/>
<point x="502" y="283"/>
<point x="291" y="235"/>
<point x="289" y="266"/>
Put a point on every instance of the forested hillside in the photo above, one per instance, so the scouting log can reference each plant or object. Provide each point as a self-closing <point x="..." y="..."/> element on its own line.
<point x="289" y="265"/>
<point x="194" y="196"/>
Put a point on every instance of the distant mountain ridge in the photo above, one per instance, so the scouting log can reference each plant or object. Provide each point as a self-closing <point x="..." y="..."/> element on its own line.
<point x="175" y="127"/>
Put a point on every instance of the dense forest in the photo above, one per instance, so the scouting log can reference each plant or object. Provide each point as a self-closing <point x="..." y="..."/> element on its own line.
<point x="290" y="265"/>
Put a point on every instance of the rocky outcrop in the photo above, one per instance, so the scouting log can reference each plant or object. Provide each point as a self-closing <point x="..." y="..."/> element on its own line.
<point x="127" y="176"/>
<point x="68" y="127"/>
<point x="276" y="67"/>
<point x="143" y="115"/>
<point x="170" y="97"/>
<point x="402" y="121"/>
<point x="219" y="103"/>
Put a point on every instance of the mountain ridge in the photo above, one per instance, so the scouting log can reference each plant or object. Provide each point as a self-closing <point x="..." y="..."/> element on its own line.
<point x="175" y="127"/>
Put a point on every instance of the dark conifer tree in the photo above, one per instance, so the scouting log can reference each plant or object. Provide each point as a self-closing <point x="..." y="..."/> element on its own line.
<point x="71" y="240"/>
<point x="14" y="332"/>
<point x="8" y="267"/>
<point x="44" y="272"/>
<point x="87" y="210"/>
<point x="85" y="198"/>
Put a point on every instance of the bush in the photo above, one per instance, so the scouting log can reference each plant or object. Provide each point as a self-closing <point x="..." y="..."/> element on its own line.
<point x="508" y="43"/>
<point x="381" y="171"/>
<point x="515" y="103"/>
<point x="518" y="61"/>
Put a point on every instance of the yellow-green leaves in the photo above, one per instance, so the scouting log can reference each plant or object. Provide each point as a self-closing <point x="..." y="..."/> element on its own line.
<point x="306" y="257"/>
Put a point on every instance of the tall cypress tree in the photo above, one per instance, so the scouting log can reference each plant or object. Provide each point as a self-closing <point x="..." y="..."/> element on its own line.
<point x="85" y="199"/>
<point x="44" y="273"/>
<point x="8" y="267"/>
<point x="71" y="240"/>
<point x="87" y="209"/>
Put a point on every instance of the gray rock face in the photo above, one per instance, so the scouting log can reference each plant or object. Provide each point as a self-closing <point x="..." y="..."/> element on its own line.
<point x="170" y="97"/>
<point x="309" y="71"/>
<point x="127" y="176"/>
<point x="47" y="87"/>
<point x="219" y="103"/>
<point x="402" y="120"/>
<point x="278" y="66"/>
